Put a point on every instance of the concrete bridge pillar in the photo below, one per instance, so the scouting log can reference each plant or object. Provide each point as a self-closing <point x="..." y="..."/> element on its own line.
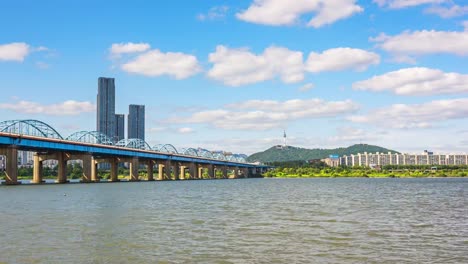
<point x="160" y="172"/>
<point x="134" y="164"/>
<point x="236" y="172"/>
<point x="225" y="172"/>
<point x="245" y="172"/>
<point x="200" y="172"/>
<point x="61" y="168"/>
<point x="168" y="170"/>
<point x="37" y="169"/>
<point x="94" y="170"/>
<point x="176" y="171"/>
<point x="211" y="171"/>
<point x="193" y="171"/>
<point x="87" y="163"/>
<point x="114" y="170"/>
<point x="182" y="172"/>
<point x="11" y="172"/>
<point x="150" y="170"/>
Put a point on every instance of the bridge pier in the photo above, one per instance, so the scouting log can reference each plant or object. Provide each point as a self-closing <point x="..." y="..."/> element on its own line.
<point x="134" y="165"/>
<point x="61" y="168"/>
<point x="211" y="171"/>
<point x="182" y="172"/>
<point x="160" y="172"/>
<point x="225" y="172"/>
<point x="149" y="170"/>
<point x="176" y="170"/>
<point x="94" y="170"/>
<point x="11" y="172"/>
<point x="37" y="169"/>
<point x="200" y="172"/>
<point x="114" y="169"/>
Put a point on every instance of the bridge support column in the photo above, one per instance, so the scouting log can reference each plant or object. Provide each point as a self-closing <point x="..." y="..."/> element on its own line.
<point x="176" y="171"/>
<point x="62" y="168"/>
<point x="94" y="170"/>
<point x="168" y="170"/>
<point x="225" y="172"/>
<point x="11" y="172"/>
<point x="134" y="164"/>
<point x="200" y="172"/>
<point x="211" y="171"/>
<point x="114" y="170"/>
<point x="37" y="169"/>
<point x="150" y="170"/>
<point x="87" y="171"/>
<point x="193" y="171"/>
<point x="182" y="172"/>
<point x="245" y="172"/>
<point x="160" y="172"/>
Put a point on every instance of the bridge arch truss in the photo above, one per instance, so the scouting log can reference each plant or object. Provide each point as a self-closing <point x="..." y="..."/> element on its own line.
<point x="29" y="127"/>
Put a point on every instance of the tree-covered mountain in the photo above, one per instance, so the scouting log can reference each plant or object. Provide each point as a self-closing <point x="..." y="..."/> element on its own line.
<point x="278" y="153"/>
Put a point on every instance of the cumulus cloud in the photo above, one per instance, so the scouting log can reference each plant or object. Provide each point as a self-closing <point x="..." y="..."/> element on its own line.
<point x="66" y="108"/>
<point x="235" y="67"/>
<point x="341" y="59"/>
<point x="306" y="87"/>
<point x="124" y="48"/>
<point x="397" y="4"/>
<point x="156" y="63"/>
<point x="280" y="12"/>
<point x="424" y="42"/>
<point x="14" y="51"/>
<point x="448" y="12"/>
<point x="424" y="115"/>
<point x="265" y="114"/>
<point x="185" y="130"/>
<point x="215" y="13"/>
<point x="416" y="81"/>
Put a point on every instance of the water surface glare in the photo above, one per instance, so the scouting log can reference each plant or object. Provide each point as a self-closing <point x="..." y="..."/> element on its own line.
<point x="237" y="221"/>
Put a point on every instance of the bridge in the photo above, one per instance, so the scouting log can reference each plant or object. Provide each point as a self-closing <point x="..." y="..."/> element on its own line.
<point x="93" y="148"/>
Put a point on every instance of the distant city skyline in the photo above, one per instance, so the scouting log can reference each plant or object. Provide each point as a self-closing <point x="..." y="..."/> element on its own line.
<point x="136" y="121"/>
<point x="234" y="75"/>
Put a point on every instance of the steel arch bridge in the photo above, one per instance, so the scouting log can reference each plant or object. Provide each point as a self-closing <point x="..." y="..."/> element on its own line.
<point x="166" y="148"/>
<point x="94" y="137"/>
<point x="40" y="129"/>
<point x="135" y="143"/>
<point x="189" y="152"/>
<point x="29" y="127"/>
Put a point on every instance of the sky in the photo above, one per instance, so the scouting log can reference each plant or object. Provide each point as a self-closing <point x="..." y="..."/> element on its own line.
<point x="233" y="75"/>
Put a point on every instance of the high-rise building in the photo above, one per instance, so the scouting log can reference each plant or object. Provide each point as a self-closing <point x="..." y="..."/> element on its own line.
<point x="136" y="121"/>
<point x="106" y="107"/>
<point x="119" y="127"/>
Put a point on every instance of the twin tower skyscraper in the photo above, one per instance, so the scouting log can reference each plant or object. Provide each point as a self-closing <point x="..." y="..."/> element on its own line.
<point x="113" y="125"/>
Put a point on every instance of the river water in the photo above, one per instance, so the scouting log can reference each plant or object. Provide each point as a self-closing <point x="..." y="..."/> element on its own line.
<point x="237" y="221"/>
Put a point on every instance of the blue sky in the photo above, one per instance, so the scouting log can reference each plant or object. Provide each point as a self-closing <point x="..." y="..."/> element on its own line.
<point x="233" y="75"/>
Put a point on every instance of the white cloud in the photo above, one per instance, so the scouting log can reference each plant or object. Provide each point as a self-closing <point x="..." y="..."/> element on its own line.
<point x="215" y="13"/>
<point x="14" y="51"/>
<point x="397" y="4"/>
<point x="66" y="108"/>
<point x="448" y="12"/>
<point x="156" y="63"/>
<point x="235" y="67"/>
<point x="341" y="59"/>
<point x="280" y="12"/>
<point x="350" y="135"/>
<point x="130" y="47"/>
<point x="306" y="87"/>
<point x="425" y="42"/>
<point x="424" y="115"/>
<point x="416" y="81"/>
<point x="185" y="130"/>
<point x="264" y="114"/>
<point x="465" y="25"/>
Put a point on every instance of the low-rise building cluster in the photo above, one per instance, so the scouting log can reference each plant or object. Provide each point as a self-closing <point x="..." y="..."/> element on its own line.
<point x="381" y="159"/>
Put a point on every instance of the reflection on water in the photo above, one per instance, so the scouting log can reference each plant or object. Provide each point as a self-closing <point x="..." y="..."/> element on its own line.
<point x="237" y="221"/>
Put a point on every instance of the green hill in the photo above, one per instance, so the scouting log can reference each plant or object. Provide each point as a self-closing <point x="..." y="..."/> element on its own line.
<point x="275" y="154"/>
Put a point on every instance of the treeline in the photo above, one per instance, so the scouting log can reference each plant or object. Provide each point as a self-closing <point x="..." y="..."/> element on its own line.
<point x="309" y="172"/>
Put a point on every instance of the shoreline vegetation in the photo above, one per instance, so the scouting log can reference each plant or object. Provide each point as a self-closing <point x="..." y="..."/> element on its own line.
<point x="299" y="169"/>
